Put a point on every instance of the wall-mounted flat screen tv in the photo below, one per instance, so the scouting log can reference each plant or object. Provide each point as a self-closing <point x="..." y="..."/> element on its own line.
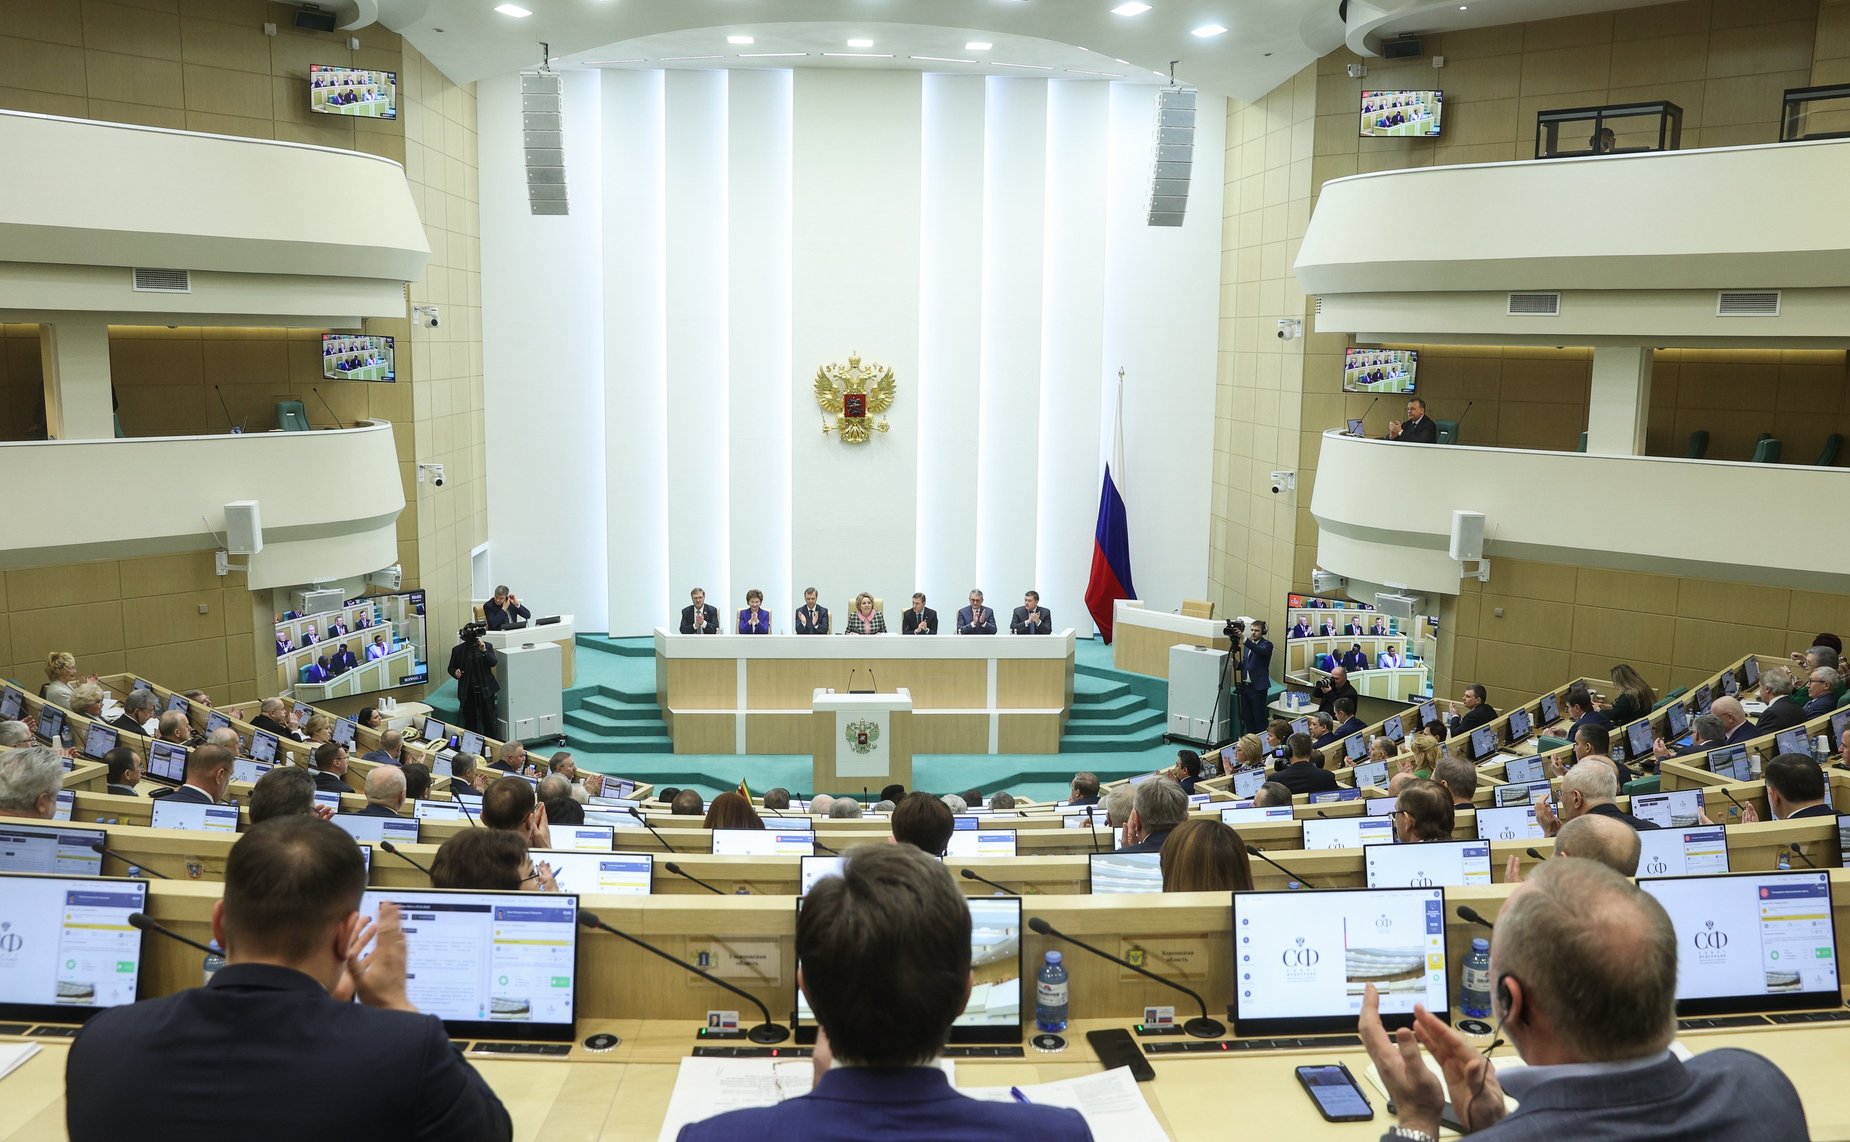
<point x="1379" y="370"/>
<point x="349" y="357"/>
<point x="352" y="91"/>
<point x="1405" y="113"/>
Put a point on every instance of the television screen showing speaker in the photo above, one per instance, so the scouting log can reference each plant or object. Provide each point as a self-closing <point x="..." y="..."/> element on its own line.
<point x="351" y="357"/>
<point x="1379" y="370"/>
<point x="1413" y="114"/>
<point x="357" y="91"/>
<point x="1320" y="633"/>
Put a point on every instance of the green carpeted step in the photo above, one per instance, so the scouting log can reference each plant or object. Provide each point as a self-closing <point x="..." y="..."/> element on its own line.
<point x="1107" y="708"/>
<point x="602" y="727"/>
<point x="1133" y="725"/>
<point x="1087" y="687"/>
<point x="592" y="745"/>
<point x="627" y="647"/>
<point x="621" y="710"/>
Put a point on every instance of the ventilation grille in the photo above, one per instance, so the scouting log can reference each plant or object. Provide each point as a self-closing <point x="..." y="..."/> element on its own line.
<point x="163" y="281"/>
<point x="1747" y="303"/>
<point x="1534" y="305"/>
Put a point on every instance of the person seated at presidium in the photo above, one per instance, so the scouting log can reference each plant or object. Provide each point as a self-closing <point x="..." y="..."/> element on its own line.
<point x="866" y="618"/>
<point x="811" y="618"/>
<point x="1031" y="617"/>
<point x="1204" y="855"/>
<point x="1418" y="428"/>
<point x="1355" y="658"/>
<point x="919" y="618"/>
<point x="699" y="617"/>
<point x="504" y="610"/>
<point x="754" y="619"/>
<point x="976" y="618"/>
<point x="1584" y="971"/>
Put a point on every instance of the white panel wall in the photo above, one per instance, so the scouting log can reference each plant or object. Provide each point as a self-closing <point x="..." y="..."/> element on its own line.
<point x="855" y="287"/>
<point x="543" y="360"/>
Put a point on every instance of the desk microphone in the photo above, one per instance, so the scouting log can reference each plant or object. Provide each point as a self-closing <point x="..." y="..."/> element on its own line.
<point x="388" y="846"/>
<point x="1537" y="855"/>
<point x="1370" y="408"/>
<point x="970" y="874"/>
<point x="1793" y="847"/>
<point x="1201" y="1027"/>
<point x="1469" y="914"/>
<point x="463" y="805"/>
<point x="685" y="875"/>
<point x="1251" y="851"/>
<point x="1467" y="412"/>
<point x="142" y="922"/>
<point x="645" y="824"/>
<point x="1092" y="824"/>
<point x="102" y="850"/>
<point x="765" y="1033"/>
<point x="326" y="405"/>
<point x="823" y="847"/>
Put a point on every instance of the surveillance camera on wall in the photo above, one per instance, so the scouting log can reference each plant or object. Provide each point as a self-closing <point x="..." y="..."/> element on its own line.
<point x="1289" y="328"/>
<point x="431" y="472"/>
<point x="427" y="316"/>
<point x="1283" y="482"/>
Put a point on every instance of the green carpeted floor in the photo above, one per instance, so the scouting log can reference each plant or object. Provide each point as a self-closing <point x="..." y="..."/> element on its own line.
<point x="609" y="677"/>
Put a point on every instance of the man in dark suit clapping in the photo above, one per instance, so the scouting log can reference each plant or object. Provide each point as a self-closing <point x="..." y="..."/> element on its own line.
<point x="811" y="618"/>
<point x="699" y="618"/>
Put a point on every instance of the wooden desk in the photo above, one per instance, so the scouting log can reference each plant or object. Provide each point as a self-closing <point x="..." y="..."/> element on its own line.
<point x="1141" y="638"/>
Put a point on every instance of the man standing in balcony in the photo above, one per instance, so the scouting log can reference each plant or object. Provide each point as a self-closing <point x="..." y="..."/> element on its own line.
<point x="1418" y="428"/>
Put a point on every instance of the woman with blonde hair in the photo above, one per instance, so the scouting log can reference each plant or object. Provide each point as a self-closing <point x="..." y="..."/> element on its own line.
<point x="1634" y="698"/>
<point x="866" y="618"/>
<point x="61" y="675"/>
<point x="1248" y="751"/>
<point x="319" y="728"/>
<point x="1203" y="855"/>
<point x="1426" y="754"/>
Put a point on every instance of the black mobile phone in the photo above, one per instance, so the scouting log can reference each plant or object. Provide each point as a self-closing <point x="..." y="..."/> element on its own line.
<point x="1115" y="1048"/>
<point x="1338" y="1096"/>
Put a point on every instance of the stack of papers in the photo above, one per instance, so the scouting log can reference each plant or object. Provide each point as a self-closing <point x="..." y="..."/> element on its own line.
<point x="14" y="1055"/>
<point x="1111" y="1102"/>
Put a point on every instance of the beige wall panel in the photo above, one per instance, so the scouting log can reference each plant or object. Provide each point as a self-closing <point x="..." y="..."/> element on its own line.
<point x="182" y="665"/>
<point x="1626" y="590"/>
<point x="779" y="733"/>
<point x="161" y="619"/>
<point x="1527" y="621"/>
<point x="1029" y="733"/>
<point x="950" y="733"/>
<point x="35" y="588"/>
<point x="699" y="684"/>
<point x="133" y="31"/>
<point x="1031" y="685"/>
<point x="705" y="733"/>
<point x="1623" y="634"/>
<point x="1733" y="603"/>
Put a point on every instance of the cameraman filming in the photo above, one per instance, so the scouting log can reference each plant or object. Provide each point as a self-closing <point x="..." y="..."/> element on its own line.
<point x="472" y="664"/>
<point x="1256" y="685"/>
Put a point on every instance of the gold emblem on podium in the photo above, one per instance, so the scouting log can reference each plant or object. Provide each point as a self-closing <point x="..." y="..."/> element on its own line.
<point x="855" y="394"/>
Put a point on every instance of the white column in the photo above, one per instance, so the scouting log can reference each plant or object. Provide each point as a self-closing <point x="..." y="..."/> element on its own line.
<point x="75" y="358"/>
<point x="1620" y="402"/>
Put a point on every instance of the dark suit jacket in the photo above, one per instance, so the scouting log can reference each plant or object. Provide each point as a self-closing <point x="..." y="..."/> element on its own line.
<point x="1352" y="726"/>
<point x="1422" y="431"/>
<point x="272" y="726"/>
<point x="1326" y="698"/>
<point x="1355" y="660"/>
<point x="1823" y="704"/>
<point x="498" y="617"/>
<point x="129" y="725"/>
<point x="373" y="810"/>
<point x="122" y="790"/>
<point x="907" y="1104"/>
<point x="910" y="621"/>
<point x="1327" y="739"/>
<point x="1608" y="809"/>
<point x="1821" y="810"/>
<point x="1150" y="844"/>
<point x="331" y="783"/>
<point x="1019" y="624"/>
<point x="967" y="624"/>
<point x="488" y="660"/>
<point x="820" y="625"/>
<point x="383" y="758"/>
<point x="1483" y="714"/>
<point x="1743" y="732"/>
<point x="1258" y="663"/>
<point x="404" y="1080"/>
<point x="1782" y="713"/>
<point x="712" y="619"/>
<point x="189" y="795"/>
<point x="1306" y="778"/>
<point x="346" y="661"/>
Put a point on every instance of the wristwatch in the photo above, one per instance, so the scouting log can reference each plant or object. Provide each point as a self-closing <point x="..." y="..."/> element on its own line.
<point x="1410" y="1134"/>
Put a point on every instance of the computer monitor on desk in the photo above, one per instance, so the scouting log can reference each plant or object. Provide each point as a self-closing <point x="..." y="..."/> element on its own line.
<point x="74" y="951"/>
<point x="1124" y="872"/>
<point x="51" y="726"/>
<point x="1701" y="851"/>
<point x="216" y="721"/>
<point x="1520" y="725"/>
<point x="99" y="739"/>
<point x="583" y="838"/>
<point x="599" y="874"/>
<point x="1755" y="942"/>
<point x="1551" y="709"/>
<point x="762" y="842"/>
<point x="263" y="746"/>
<point x="970" y="844"/>
<point x="1794" y="740"/>
<point x="12" y="701"/>
<point x="1678" y="809"/>
<point x="192" y="816"/>
<point x="50" y="849"/>
<point x="1483" y="742"/>
<point x="167" y="762"/>
<point x="1676" y="716"/>
<point x="1639" y="739"/>
<point x="1516" y="822"/>
<point x="1442" y="864"/>
<point x="1731" y="762"/>
<point x="366" y="827"/>
<point x="1523" y="770"/>
<point x="1348" y="832"/>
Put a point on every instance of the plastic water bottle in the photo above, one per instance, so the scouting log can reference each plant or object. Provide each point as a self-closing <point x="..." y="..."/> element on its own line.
<point x="134" y="872"/>
<point x="1050" y="995"/>
<point x="215" y="959"/>
<point x="1474" y="989"/>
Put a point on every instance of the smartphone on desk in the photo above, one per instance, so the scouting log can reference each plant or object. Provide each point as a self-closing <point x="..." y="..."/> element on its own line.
<point x="1338" y="1096"/>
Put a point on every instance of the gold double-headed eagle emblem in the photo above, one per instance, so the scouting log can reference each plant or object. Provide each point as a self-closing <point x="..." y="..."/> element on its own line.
<point x="855" y="395"/>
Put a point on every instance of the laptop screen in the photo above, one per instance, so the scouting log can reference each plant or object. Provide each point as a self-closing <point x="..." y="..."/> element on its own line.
<point x="1520" y="770"/>
<point x="367" y="827"/>
<point x="249" y="772"/>
<point x="168" y="761"/>
<point x="1383" y="806"/>
<point x="493" y="965"/>
<point x="1371" y="773"/>
<point x="1348" y="832"/>
<point x="1676" y="714"/>
<point x="1300" y="725"/>
<point x="1703" y="699"/>
<point x="1515" y="823"/>
<point x="1794" y="740"/>
<point x="263" y="746"/>
<point x="1483" y="742"/>
<point x="1246" y="782"/>
<point x="1680" y="809"/>
<point x="971" y="844"/>
<point x="1252" y="816"/>
<point x="1754" y="942"/>
<point x="50" y="849"/>
<point x="470" y="742"/>
<point x="65" y="805"/>
<point x="1682" y="852"/>
<point x="1445" y="864"/>
<point x="814" y="868"/>
<point x="1638" y="737"/>
<point x="434" y="731"/>
<point x="1520" y="725"/>
<point x="583" y="838"/>
<point x="343" y="731"/>
<point x="1303" y="958"/>
<point x="1394" y="730"/>
<point x="51" y="724"/>
<point x="1520" y="792"/>
<point x="73" y="950"/>
<point x="99" y="739"/>
<point x="176" y="702"/>
<point x="1355" y="747"/>
<point x="1333" y="795"/>
<point x="762" y="842"/>
<point x="1840" y="723"/>
<point x="437" y="811"/>
<point x="1731" y="762"/>
<point x="788" y="824"/>
<point x="12" y="700"/>
<point x="1355" y="427"/>
<point x="216" y="721"/>
<point x="171" y="814"/>
<point x="598" y="873"/>
<point x="1551" y="710"/>
<point x="1751" y="669"/>
<point x="1124" y="872"/>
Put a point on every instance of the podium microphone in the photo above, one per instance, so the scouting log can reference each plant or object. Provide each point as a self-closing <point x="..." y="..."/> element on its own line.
<point x="142" y="922"/>
<point x="1251" y="851"/>
<point x="645" y="824"/>
<point x="1371" y="407"/>
<point x="102" y="850"/>
<point x="685" y="875"/>
<point x="1469" y="914"/>
<point x="765" y="1033"/>
<point x="1201" y="1027"/>
<point x="388" y="846"/>
<point x="970" y="874"/>
<point x="326" y="405"/>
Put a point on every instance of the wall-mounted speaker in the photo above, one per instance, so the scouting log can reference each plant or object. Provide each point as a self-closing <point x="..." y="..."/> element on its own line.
<point x="542" y="124"/>
<point x="243" y="528"/>
<point x="1174" y="155"/>
<point x="1402" y="607"/>
<point x="1467" y="536"/>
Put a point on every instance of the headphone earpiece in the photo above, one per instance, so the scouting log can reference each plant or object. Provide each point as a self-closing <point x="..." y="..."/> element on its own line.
<point x="1503" y="997"/>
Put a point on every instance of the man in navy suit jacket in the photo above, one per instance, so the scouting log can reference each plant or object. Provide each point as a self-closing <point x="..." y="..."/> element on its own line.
<point x="976" y="618"/>
<point x="1031" y="617"/>
<point x="292" y="934"/>
<point x="883" y="956"/>
<point x="811" y="618"/>
<point x="1354" y="658"/>
<point x="920" y="619"/>
<point x="208" y="775"/>
<point x="1583" y="966"/>
<point x="701" y="617"/>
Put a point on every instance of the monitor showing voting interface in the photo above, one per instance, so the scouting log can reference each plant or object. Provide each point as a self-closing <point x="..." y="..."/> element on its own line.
<point x="1731" y="762"/>
<point x="598" y="873"/>
<point x="1442" y="864"/>
<point x="12" y="700"/>
<point x="1302" y="959"/>
<point x="1521" y="792"/>
<point x="993" y="1014"/>
<point x="1247" y="781"/>
<point x="1754" y="942"/>
<point x="343" y="731"/>
<point x="583" y="838"/>
<point x="1355" y="747"/>
<point x="1519" y="770"/>
<point x="50" y="849"/>
<point x="168" y="761"/>
<point x="1520" y="725"/>
<point x="470" y="742"/>
<point x="99" y="739"/>
<point x="779" y="821"/>
<point x="169" y="814"/>
<point x="1348" y="832"/>
<point x="71" y="950"/>
<point x="972" y="843"/>
<point x="1483" y="742"/>
<point x="1383" y="806"/>
<point x="367" y="827"/>
<point x="66" y="802"/>
<point x="1682" y="852"/>
<point x="1515" y="823"/>
<point x="1840" y="723"/>
<point x="1794" y="740"/>
<point x="436" y="811"/>
<point x="1251" y="816"/>
<point x="1638" y="739"/>
<point x="1676" y="716"/>
<point x="249" y="772"/>
<point x="762" y="842"/>
<point x="1704" y="698"/>
<point x="1330" y="795"/>
<point x="1125" y="872"/>
<point x="328" y="798"/>
<point x="1681" y="809"/>
<point x="51" y="725"/>
<point x="1371" y="773"/>
<point x="263" y="746"/>
<point x="496" y="965"/>
<point x="814" y="868"/>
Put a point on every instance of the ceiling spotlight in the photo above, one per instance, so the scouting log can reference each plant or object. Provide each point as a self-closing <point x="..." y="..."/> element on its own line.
<point x="1207" y="30"/>
<point x="977" y="46"/>
<point x="860" y="43"/>
<point x="1133" y="8"/>
<point x="514" y="10"/>
<point x="741" y="40"/>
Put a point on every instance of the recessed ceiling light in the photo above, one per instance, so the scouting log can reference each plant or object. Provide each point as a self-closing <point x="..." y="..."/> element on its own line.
<point x="858" y="55"/>
<point x="860" y="43"/>
<point x="1100" y="74"/>
<point x="977" y="46"/>
<point x="1029" y="66"/>
<point x="939" y="59"/>
<point x="741" y="40"/>
<point x="1133" y="8"/>
<point x="514" y="10"/>
<point x="609" y="62"/>
<point x="683" y="59"/>
<point x="1206" y="30"/>
<point x="772" y="55"/>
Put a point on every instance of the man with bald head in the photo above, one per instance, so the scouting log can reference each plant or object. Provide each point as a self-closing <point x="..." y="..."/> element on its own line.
<point x="1592" y="836"/>
<point x="385" y="791"/>
<point x="1592" y="786"/>
<point x="1333" y="688"/>
<point x="1583" y="966"/>
<point x="1734" y="719"/>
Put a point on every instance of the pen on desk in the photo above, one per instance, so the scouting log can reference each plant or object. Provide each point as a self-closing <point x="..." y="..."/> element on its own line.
<point x="1015" y="1093"/>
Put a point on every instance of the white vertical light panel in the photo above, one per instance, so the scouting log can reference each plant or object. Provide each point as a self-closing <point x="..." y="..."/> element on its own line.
<point x="1072" y="346"/>
<point x="699" y="404"/>
<point x="1008" y="448"/>
<point x="635" y="321"/>
<point x="950" y="331"/>
<point x="855" y="287"/>
<point x="759" y="303"/>
<point x="542" y="358"/>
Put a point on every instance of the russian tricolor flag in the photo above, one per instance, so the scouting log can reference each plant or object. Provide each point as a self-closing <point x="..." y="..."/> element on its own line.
<point x="1111" y="541"/>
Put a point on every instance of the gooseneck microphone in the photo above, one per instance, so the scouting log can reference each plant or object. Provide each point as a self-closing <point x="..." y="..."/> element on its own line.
<point x="1469" y="914"/>
<point x="463" y="805"/>
<point x="685" y="875"/>
<point x="645" y="824"/>
<point x="970" y="874"/>
<point x="823" y="847"/>
<point x="142" y="922"/>
<point x="1798" y="852"/>
<point x="1251" y="851"/>
<point x="765" y="1033"/>
<point x="388" y="846"/>
<point x="1536" y="854"/>
<point x="1201" y="1027"/>
<point x="1370" y="408"/>
<point x="103" y="850"/>
<point x="1092" y="824"/>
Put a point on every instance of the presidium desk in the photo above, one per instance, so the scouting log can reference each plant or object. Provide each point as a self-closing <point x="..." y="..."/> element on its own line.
<point x="746" y="694"/>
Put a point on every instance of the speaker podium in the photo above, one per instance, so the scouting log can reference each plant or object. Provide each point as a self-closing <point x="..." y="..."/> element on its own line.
<point x="861" y="740"/>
